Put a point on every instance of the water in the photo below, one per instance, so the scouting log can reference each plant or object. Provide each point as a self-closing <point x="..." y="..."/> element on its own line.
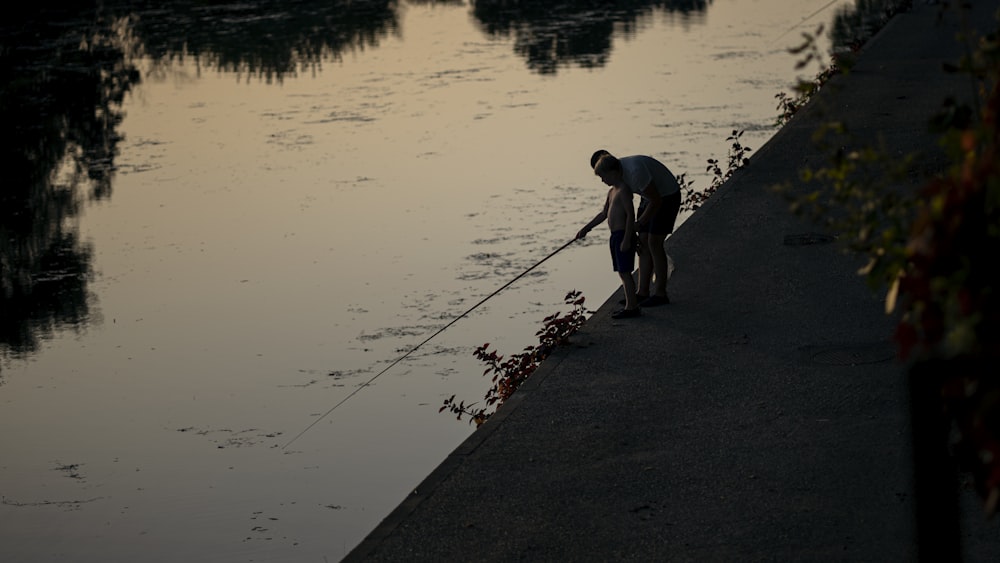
<point x="271" y="203"/>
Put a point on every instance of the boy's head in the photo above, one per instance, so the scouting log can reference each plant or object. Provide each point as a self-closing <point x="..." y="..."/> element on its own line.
<point x="609" y="169"/>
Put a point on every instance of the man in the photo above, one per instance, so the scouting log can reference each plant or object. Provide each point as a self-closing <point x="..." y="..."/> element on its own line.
<point x="661" y="200"/>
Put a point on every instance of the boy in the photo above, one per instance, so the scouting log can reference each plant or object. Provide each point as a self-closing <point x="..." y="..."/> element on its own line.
<point x="620" y="215"/>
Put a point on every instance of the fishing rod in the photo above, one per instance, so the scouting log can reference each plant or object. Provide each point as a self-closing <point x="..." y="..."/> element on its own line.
<point x="426" y="340"/>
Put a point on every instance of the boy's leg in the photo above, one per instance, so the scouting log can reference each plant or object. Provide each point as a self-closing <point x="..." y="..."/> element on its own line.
<point x="628" y="284"/>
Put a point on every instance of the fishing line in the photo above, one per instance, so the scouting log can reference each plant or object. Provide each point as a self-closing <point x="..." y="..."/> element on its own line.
<point x="805" y="19"/>
<point x="426" y="340"/>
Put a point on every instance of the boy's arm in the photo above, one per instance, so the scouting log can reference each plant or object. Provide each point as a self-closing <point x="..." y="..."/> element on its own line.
<point x="630" y="228"/>
<point x="596" y="220"/>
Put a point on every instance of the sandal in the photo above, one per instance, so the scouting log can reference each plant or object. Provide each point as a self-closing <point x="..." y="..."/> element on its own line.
<point x="655" y="300"/>
<point x="627" y="313"/>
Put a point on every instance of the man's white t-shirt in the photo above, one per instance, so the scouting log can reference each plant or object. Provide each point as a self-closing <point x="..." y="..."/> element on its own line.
<point x="638" y="171"/>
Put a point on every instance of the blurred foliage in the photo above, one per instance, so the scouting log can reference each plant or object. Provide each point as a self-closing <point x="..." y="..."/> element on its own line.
<point x="510" y="373"/>
<point x="861" y="195"/>
<point x="949" y="287"/>
<point x="933" y="249"/>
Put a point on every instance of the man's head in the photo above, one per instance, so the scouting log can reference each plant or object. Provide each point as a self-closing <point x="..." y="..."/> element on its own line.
<point x="597" y="156"/>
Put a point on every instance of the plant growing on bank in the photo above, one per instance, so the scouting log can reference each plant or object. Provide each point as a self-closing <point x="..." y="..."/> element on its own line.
<point x="852" y="27"/>
<point x="737" y="158"/>
<point x="804" y="90"/>
<point x="510" y="373"/>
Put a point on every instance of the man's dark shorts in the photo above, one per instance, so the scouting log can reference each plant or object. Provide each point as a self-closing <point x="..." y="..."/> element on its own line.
<point x="621" y="261"/>
<point x="663" y="222"/>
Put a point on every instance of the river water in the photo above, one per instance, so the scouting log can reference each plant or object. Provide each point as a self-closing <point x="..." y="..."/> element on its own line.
<point x="222" y="219"/>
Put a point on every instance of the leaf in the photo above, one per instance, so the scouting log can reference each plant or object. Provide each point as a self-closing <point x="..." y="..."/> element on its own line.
<point x="890" y="298"/>
<point x="867" y="268"/>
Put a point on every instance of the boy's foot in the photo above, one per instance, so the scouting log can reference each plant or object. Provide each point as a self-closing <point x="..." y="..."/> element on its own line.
<point x="637" y="298"/>
<point x="655" y="300"/>
<point x="626" y="313"/>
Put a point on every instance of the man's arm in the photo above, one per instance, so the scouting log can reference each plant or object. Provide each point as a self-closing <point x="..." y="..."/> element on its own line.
<point x="653" y="195"/>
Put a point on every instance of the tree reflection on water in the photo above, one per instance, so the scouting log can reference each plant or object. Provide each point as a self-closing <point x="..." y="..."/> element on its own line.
<point x="67" y="67"/>
<point x="64" y="79"/>
<point x="550" y="34"/>
<point x="266" y="39"/>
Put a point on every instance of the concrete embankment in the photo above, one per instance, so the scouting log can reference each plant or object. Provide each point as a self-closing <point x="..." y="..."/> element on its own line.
<point x="760" y="416"/>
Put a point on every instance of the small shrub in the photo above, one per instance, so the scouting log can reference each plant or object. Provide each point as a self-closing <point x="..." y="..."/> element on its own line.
<point x="736" y="159"/>
<point x="510" y="373"/>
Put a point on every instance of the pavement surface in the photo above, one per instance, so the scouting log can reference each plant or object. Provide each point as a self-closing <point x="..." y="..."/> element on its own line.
<point x="760" y="416"/>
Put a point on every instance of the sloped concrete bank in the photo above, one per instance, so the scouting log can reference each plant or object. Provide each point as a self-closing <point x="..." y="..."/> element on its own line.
<point x="760" y="416"/>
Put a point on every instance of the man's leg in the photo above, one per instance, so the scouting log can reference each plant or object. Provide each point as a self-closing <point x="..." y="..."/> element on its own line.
<point x="646" y="265"/>
<point x="658" y="256"/>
